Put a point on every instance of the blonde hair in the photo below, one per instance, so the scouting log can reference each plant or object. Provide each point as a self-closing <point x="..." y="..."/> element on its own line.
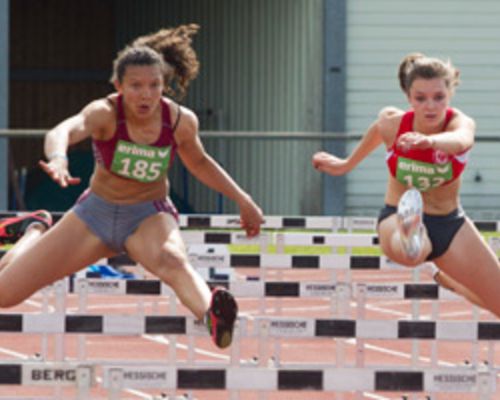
<point x="417" y="65"/>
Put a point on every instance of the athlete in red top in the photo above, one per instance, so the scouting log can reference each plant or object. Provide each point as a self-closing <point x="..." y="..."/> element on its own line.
<point x="127" y="206"/>
<point x="427" y="150"/>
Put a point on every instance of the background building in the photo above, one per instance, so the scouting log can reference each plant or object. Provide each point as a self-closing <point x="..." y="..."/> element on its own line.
<point x="272" y="68"/>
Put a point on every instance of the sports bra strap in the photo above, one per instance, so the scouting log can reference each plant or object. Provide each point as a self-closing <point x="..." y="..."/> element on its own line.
<point x="178" y="119"/>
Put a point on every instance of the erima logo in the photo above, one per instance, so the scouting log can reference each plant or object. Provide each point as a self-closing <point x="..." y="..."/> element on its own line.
<point x="136" y="151"/>
<point x="55" y="375"/>
<point x="163" y="153"/>
<point x="444" y="169"/>
<point x="412" y="167"/>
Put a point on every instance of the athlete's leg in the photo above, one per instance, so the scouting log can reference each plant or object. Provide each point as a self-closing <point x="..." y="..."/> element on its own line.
<point x="447" y="282"/>
<point x="158" y="246"/>
<point x="471" y="263"/>
<point x="392" y="245"/>
<point x="24" y="231"/>
<point x="41" y="259"/>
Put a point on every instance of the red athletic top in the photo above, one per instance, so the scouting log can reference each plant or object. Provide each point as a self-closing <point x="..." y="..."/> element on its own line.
<point x="105" y="150"/>
<point x="424" y="169"/>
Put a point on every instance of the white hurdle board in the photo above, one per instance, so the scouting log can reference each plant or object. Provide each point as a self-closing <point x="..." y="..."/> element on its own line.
<point x="281" y="327"/>
<point x="258" y="289"/>
<point x="119" y="376"/>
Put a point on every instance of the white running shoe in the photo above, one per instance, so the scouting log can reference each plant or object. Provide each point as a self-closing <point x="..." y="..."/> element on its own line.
<point x="410" y="217"/>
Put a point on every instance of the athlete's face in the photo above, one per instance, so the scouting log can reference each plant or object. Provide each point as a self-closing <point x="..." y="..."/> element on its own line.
<point x="142" y="88"/>
<point x="429" y="98"/>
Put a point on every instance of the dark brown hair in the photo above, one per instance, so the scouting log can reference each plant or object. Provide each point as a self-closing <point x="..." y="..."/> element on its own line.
<point x="417" y="65"/>
<point x="169" y="48"/>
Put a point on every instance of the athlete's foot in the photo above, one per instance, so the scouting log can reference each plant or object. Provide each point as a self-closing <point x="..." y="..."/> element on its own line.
<point x="11" y="229"/>
<point x="410" y="216"/>
<point x="221" y="317"/>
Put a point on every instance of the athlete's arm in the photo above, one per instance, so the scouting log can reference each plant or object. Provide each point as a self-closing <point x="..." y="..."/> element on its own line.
<point x="209" y="172"/>
<point x="373" y="137"/>
<point x="93" y="119"/>
<point x="458" y="137"/>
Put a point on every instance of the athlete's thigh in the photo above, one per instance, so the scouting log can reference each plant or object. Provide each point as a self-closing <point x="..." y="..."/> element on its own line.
<point x="157" y="236"/>
<point x="64" y="249"/>
<point x="470" y="261"/>
<point x="385" y="230"/>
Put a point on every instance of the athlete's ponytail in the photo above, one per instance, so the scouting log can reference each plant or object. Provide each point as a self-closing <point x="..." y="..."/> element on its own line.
<point x="417" y="65"/>
<point x="171" y="50"/>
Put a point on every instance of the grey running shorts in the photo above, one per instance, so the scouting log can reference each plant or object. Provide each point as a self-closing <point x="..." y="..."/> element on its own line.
<point x="114" y="223"/>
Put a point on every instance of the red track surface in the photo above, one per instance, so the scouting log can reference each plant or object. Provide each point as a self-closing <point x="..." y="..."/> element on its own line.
<point x="322" y="351"/>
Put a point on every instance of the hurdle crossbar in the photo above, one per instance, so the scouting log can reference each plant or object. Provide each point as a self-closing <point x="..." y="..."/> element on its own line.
<point x="259" y="289"/>
<point x="294" y="261"/>
<point x="117" y="377"/>
<point x="334" y="223"/>
<point x="264" y="326"/>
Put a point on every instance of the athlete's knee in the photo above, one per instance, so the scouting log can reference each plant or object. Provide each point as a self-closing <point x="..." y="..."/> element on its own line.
<point x="8" y="297"/>
<point x="171" y="261"/>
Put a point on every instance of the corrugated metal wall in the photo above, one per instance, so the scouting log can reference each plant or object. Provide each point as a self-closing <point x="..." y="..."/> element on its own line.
<point x="379" y="35"/>
<point x="57" y="64"/>
<point x="261" y="70"/>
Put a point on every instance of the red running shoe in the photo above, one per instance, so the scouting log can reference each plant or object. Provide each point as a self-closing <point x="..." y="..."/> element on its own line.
<point x="221" y="317"/>
<point x="12" y="228"/>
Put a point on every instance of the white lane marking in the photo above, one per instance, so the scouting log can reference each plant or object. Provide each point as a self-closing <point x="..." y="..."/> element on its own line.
<point x="163" y="340"/>
<point x="396" y="353"/>
<point x="14" y="353"/>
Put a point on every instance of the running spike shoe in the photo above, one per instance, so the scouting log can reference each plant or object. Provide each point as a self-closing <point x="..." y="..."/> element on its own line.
<point x="12" y="228"/>
<point x="410" y="217"/>
<point x="221" y="317"/>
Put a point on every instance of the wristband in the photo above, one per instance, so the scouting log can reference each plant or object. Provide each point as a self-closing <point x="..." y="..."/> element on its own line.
<point x="53" y="156"/>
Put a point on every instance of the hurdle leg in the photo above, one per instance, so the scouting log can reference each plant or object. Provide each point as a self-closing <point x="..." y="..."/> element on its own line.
<point x="415" y="305"/>
<point x="45" y="336"/>
<point x="115" y="383"/>
<point x="83" y="382"/>
<point x="60" y="308"/>
<point x="82" y="308"/>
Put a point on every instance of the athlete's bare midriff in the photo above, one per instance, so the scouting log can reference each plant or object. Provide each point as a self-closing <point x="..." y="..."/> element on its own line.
<point x="439" y="201"/>
<point x="125" y="191"/>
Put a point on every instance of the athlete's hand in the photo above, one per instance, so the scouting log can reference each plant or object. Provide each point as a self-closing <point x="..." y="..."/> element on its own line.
<point x="326" y="162"/>
<point x="414" y="140"/>
<point x="58" y="171"/>
<point x="251" y="217"/>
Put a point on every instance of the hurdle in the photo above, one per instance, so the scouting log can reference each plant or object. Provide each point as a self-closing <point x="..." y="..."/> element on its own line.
<point x="313" y="378"/>
<point x="333" y="223"/>
<point x="257" y="288"/>
<point x="120" y="375"/>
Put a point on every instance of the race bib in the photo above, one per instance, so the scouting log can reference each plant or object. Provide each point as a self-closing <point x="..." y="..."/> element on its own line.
<point x="140" y="162"/>
<point x="421" y="175"/>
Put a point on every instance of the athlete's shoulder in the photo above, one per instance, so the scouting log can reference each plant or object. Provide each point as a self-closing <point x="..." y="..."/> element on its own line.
<point x="101" y="108"/>
<point x="389" y="119"/>
<point x="460" y="119"/>
<point x="390" y="113"/>
<point x="100" y="114"/>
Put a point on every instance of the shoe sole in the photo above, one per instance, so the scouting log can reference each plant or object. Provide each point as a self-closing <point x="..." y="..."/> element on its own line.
<point x="13" y="227"/>
<point x="410" y="220"/>
<point x="225" y="311"/>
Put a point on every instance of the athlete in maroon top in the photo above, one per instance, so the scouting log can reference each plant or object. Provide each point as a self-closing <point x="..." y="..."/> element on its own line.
<point x="134" y="144"/>
<point x="164" y="147"/>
